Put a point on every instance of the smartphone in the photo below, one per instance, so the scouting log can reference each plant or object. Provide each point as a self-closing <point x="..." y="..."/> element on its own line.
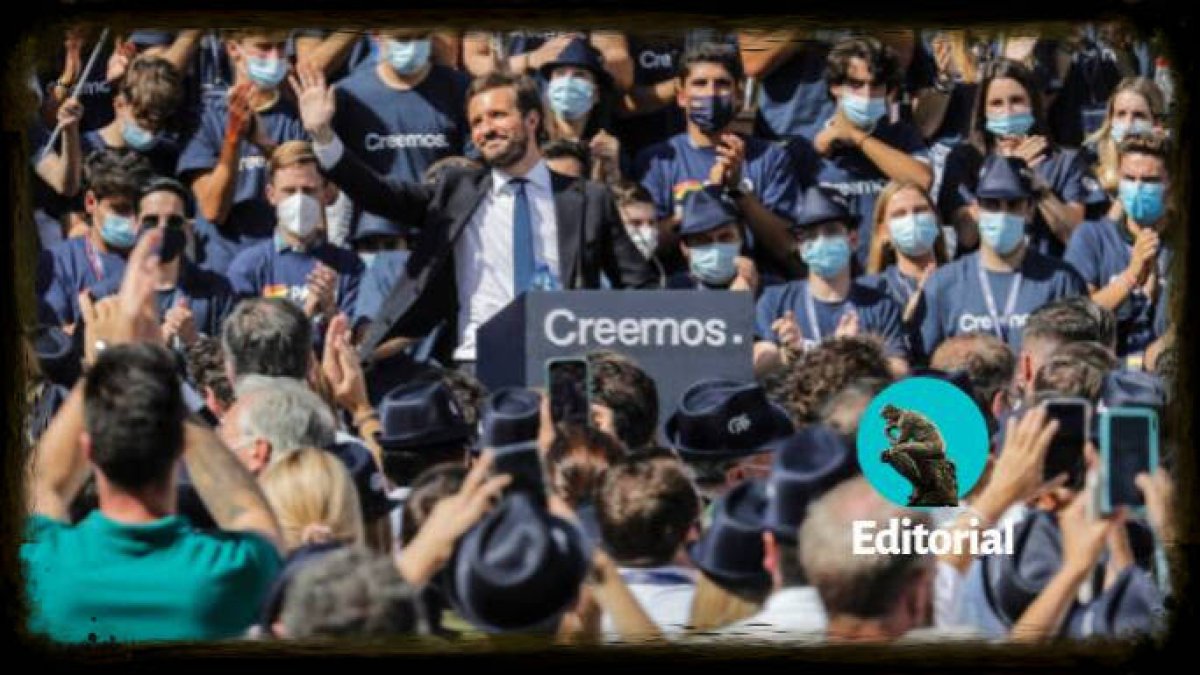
<point x="524" y="464"/>
<point x="1128" y="446"/>
<point x="569" y="382"/>
<point x="1066" y="454"/>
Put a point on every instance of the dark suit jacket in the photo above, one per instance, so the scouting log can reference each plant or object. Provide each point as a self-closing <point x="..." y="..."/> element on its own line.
<point x="591" y="240"/>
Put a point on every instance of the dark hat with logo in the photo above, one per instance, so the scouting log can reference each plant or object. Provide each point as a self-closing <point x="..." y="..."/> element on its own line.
<point x="518" y="569"/>
<point x="1133" y="389"/>
<point x="731" y="549"/>
<point x="421" y="413"/>
<point x="511" y="419"/>
<point x="581" y="54"/>
<point x="806" y="466"/>
<point x="57" y="354"/>
<point x="368" y="479"/>
<point x="372" y="225"/>
<point x="821" y="205"/>
<point x="1012" y="582"/>
<point x="723" y="419"/>
<point x="1004" y="178"/>
<point x="705" y="210"/>
<point x="1133" y="605"/>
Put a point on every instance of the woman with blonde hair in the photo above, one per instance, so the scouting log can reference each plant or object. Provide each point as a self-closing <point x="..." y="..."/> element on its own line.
<point x="906" y="247"/>
<point x="1135" y="107"/>
<point x="314" y="499"/>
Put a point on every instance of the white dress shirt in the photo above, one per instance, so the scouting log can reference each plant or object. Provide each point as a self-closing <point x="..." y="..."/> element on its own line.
<point x="665" y="593"/>
<point x="483" y="255"/>
<point x="790" y="614"/>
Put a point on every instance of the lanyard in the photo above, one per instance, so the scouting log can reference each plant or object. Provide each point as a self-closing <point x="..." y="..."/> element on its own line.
<point x="1010" y="304"/>
<point x="810" y="310"/>
<point x="94" y="260"/>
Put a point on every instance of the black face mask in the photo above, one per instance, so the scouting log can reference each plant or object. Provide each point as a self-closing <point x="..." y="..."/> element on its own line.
<point x="711" y="113"/>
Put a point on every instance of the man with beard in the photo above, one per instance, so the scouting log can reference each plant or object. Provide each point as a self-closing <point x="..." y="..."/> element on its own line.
<point x="486" y="233"/>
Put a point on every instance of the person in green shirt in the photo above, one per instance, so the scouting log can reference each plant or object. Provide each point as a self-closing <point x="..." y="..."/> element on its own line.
<point x="134" y="570"/>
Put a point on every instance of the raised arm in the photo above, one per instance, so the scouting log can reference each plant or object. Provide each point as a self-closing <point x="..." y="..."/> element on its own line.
<point x="325" y="53"/>
<point x="214" y="189"/>
<point x="366" y="187"/>
<point x="179" y="54"/>
<point x="63" y="170"/>
<point x="226" y="487"/>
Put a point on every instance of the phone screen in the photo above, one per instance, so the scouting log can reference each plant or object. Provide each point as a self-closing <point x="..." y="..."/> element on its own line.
<point x="525" y="467"/>
<point x="568" y="385"/>
<point x="1065" y="454"/>
<point x="1128" y="455"/>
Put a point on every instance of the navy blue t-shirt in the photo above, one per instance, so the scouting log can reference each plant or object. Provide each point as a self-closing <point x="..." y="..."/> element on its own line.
<point x="68" y="268"/>
<point x="848" y="171"/>
<point x="251" y="219"/>
<point x="900" y="288"/>
<point x="163" y="155"/>
<point x="1065" y="171"/>
<point x="96" y="94"/>
<point x="654" y="61"/>
<point x="793" y="100"/>
<point x="400" y="133"/>
<point x="269" y="269"/>
<point x="674" y="169"/>
<point x="210" y="296"/>
<point x="955" y="303"/>
<point x="1099" y="251"/>
<point x="877" y="315"/>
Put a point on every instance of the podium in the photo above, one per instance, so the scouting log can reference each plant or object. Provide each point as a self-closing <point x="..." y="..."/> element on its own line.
<point x="678" y="337"/>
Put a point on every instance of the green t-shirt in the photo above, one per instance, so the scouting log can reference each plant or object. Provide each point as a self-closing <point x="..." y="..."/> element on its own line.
<point x="103" y="581"/>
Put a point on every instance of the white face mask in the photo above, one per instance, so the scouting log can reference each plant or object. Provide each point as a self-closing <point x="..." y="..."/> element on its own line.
<point x="300" y="214"/>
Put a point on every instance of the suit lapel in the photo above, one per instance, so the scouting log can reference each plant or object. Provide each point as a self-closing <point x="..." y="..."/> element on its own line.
<point x="482" y="184"/>
<point x="568" y="213"/>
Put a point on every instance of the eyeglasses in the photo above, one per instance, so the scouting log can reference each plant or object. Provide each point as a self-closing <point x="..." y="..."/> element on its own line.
<point x="173" y="221"/>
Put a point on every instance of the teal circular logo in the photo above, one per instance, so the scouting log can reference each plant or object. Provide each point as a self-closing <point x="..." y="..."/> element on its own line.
<point x="922" y="442"/>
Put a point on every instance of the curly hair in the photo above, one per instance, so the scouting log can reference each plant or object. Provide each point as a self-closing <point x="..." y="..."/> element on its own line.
<point x="826" y="369"/>
<point x="618" y="382"/>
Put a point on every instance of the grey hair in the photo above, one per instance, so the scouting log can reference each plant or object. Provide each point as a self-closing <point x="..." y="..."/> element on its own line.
<point x="267" y="336"/>
<point x="864" y="586"/>
<point x="351" y="592"/>
<point x="284" y="412"/>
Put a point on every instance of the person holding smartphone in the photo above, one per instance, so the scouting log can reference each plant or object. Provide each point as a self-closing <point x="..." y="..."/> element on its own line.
<point x="191" y="301"/>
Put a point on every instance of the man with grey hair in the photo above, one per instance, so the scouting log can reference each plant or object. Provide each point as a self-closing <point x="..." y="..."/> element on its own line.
<point x="273" y="416"/>
<point x="867" y="597"/>
<point x="267" y="336"/>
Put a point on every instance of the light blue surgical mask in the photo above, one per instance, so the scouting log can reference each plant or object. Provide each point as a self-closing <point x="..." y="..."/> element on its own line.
<point x="914" y="234"/>
<point x="118" y="231"/>
<point x="861" y="111"/>
<point x="266" y="72"/>
<point x="1143" y="202"/>
<point x="368" y="259"/>
<point x="135" y="136"/>
<point x="1120" y="130"/>
<point x="1001" y="231"/>
<point x="826" y="256"/>
<point x="570" y="96"/>
<point x="408" y="56"/>
<point x="714" y="264"/>
<point x="1017" y="124"/>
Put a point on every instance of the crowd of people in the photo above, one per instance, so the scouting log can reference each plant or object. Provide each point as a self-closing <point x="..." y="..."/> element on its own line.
<point x="253" y="409"/>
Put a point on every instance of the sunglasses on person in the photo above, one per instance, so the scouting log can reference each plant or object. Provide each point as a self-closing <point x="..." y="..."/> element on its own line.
<point x="173" y="221"/>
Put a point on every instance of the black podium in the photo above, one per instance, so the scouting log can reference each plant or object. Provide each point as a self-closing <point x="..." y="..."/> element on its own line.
<point x="678" y="337"/>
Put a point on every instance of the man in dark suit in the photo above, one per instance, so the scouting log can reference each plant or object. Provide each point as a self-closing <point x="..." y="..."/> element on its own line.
<point x="489" y="234"/>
